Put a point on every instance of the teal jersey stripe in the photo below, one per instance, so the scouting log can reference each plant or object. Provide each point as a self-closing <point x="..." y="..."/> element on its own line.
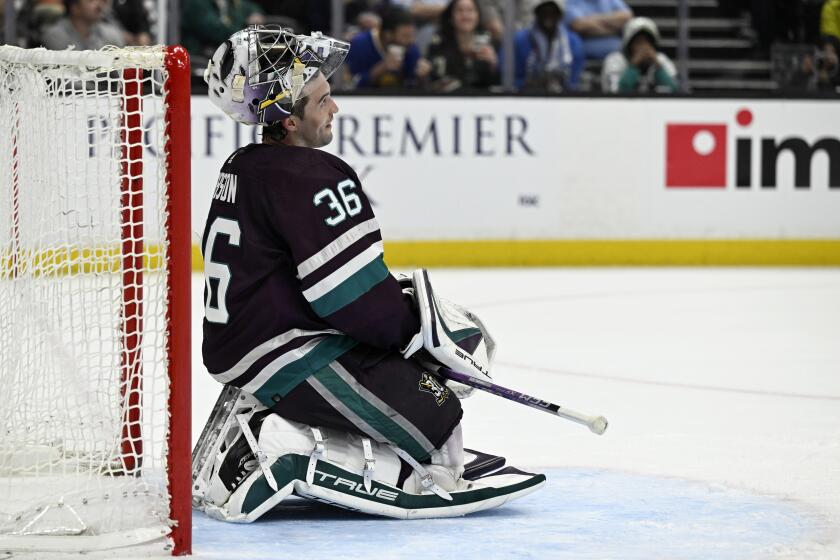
<point x="351" y="289"/>
<point x="291" y="375"/>
<point x="371" y="414"/>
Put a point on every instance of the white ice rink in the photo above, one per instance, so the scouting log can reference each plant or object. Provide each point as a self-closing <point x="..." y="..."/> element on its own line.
<point x="722" y="388"/>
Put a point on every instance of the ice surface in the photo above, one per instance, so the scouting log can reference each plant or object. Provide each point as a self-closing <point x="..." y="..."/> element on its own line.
<point x="722" y="387"/>
<point x="581" y="514"/>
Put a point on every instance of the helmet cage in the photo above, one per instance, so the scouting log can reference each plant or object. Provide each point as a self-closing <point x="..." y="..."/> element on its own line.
<point x="276" y="65"/>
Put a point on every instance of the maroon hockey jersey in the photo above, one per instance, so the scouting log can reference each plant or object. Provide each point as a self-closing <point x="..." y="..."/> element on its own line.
<point x="293" y="268"/>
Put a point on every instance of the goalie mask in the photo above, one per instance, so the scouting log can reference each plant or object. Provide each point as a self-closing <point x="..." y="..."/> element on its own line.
<point x="258" y="74"/>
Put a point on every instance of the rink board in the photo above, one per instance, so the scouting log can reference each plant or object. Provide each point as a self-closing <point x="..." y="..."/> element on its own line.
<point x="542" y="181"/>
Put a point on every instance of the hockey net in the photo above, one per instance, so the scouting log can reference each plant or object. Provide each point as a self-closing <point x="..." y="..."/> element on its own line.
<point x="94" y="300"/>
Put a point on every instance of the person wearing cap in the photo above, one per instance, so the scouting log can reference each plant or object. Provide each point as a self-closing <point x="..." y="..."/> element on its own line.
<point x="599" y="23"/>
<point x="548" y="56"/>
<point x="639" y="67"/>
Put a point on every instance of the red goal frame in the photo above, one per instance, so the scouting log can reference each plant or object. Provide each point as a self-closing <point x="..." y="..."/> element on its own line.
<point x="178" y="254"/>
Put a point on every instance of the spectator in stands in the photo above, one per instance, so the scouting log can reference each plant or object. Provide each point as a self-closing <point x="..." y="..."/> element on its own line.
<point x="426" y="14"/>
<point x="830" y="20"/>
<point x="205" y="24"/>
<point x="134" y="19"/>
<point x="82" y="26"/>
<point x="388" y="56"/>
<point x="359" y="16"/>
<point x="821" y="72"/>
<point x="293" y="14"/>
<point x="599" y="23"/>
<point x="639" y="67"/>
<point x="548" y="56"/>
<point x="33" y="17"/>
<point x="462" y="53"/>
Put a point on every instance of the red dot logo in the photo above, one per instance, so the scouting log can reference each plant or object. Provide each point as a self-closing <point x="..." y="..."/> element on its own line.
<point x="744" y="117"/>
<point x="695" y="155"/>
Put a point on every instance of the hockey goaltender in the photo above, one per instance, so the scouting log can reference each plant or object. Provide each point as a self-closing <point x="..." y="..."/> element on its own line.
<point x="329" y="362"/>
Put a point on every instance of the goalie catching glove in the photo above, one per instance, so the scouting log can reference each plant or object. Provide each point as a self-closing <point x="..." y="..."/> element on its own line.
<point x="451" y="335"/>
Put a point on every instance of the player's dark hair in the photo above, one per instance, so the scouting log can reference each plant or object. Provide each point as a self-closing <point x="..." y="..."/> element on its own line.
<point x="393" y="17"/>
<point x="276" y="131"/>
<point x="447" y="26"/>
<point x="68" y="4"/>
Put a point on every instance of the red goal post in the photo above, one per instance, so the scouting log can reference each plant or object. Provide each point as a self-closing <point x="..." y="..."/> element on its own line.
<point x="95" y="300"/>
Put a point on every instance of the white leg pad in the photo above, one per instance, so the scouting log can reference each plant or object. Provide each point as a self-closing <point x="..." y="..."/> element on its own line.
<point x="352" y="474"/>
<point x="280" y="436"/>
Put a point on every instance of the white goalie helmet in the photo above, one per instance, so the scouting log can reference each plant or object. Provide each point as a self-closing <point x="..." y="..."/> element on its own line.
<point x="258" y="74"/>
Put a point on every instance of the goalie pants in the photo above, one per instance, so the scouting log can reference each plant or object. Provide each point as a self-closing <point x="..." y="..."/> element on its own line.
<point x="380" y="395"/>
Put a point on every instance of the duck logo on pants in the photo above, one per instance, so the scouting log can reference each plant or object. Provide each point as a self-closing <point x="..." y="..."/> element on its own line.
<point x="431" y="385"/>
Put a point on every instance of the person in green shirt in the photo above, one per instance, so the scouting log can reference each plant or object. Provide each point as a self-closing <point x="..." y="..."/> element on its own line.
<point x="207" y="23"/>
<point x="639" y="67"/>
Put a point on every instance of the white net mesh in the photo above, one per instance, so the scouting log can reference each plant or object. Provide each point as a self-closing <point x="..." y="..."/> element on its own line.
<point x="83" y="299"/>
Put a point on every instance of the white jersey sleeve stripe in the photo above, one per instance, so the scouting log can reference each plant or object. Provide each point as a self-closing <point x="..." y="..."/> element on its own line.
<point x="269" y="345"/>
<point x="349" y="269"/>
<point x="323" y="256"/>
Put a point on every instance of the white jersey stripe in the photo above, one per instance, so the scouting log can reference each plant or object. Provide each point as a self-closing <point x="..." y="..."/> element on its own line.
<point x="268" y="371"/>
<point x="269" y="345"/>
<point x="323" y="256"/>
<point x="352" y="266"/>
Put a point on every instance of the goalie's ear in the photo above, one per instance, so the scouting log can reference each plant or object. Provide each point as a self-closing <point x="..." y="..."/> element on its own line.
<point x="290" y="123"/>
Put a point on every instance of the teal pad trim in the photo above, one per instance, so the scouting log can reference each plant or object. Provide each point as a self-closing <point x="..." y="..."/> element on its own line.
<point x="327" y="475"/>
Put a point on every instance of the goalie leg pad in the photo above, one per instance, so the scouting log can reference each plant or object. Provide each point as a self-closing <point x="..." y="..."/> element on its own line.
<point x="479" y="464"/>
<point x="226" y="450"/>
<point x="339" y="479"/>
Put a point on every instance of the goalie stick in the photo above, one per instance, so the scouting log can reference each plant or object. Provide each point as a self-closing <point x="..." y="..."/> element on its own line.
<point x="597" y="424"/>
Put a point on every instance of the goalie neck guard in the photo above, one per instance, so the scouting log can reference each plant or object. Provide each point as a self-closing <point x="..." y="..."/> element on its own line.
<point x="258" y="74"/>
